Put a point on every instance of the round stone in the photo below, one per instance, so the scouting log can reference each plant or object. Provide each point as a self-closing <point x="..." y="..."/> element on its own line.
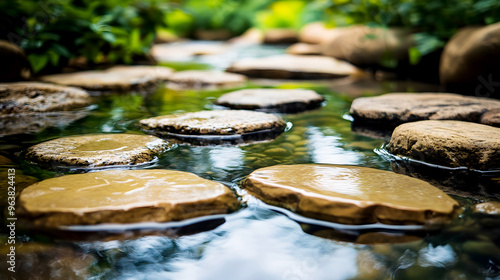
<point x="293" y="67"/>
<point x="489" y="208"/>
<point x="118" y="78"/>
<point x="448" y="143"/>
<point x="216" y="127"/>
<point x="350" y="194"/>
<point x="272" y="100"/>
<point x="195" y="79"/>
<point x="100" y="150"/>
<point x="396" y="108"/>
<point x="123" y="196"/>
<point x="29" y="97"/>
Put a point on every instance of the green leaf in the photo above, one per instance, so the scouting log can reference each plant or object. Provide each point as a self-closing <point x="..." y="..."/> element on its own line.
<point x="38" y="61"/>
<point x="414" y="55"/>
<point x="109" y="37"/>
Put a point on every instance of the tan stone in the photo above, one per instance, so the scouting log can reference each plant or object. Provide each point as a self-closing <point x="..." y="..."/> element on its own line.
<point x="471" y="52"/>
<point x="316" y="33"/>
<point x="280" y="36"/>
<point x="350" y="194"/>
<point x="118" y="78"/>
<point x="251" y="37"/>
<point x="206" y="79"/>
<point x="362" y="45"/>
<point x="185" y="50"/>
<point x="304" y="49"/>
<point x="489" y="208"/>
<point x="448" y="143"/>
<point x="293" y="67"/>
<point x="223" y="122"/>
<point x="272" y="100"/>
<point x="97" y="150"/>
<point x="28" y="97"/>
<point x="396" y="108"/>
<point x="491" y="118"/>
<point x="123" y="196"/>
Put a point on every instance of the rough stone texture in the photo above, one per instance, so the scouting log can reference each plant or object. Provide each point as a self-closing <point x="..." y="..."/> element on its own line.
<point x="304" y="49"/>
<point x="489" y="208"/>
<point x="123" y="196"/>
<point x="185" y="50"/>
<point x="364" y="46"/>
<point x="15" y="66"/>
<point x="293" y="67"/>
<point x="118" y="78"/>
<point x="448" y="143"/>
<point x="317" y="33"/>
<point x="272" y="100"/>
<point x="472" y="52"/>
<point x="223" y="122"/>
<point x="396" y="108"/>
<point x="28" y="97"/>
<point x="28" y="123"/>
<point x="97" y="150"/>
<point x="350" y="194"/>
<point x="195" y="79"/>
<point x="280" y="36"/>
<point x="491" y="118"/>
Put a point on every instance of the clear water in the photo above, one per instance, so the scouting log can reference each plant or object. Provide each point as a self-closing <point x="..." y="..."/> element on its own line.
<point x="255" y="242"/>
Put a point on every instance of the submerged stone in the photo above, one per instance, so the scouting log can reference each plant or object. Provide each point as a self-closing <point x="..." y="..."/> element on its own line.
<point x="196" y="79"/>
<point x="448" y="143"/>
<point x="30" y="97"/>
<point x="350" y="194"/>
<point x="123" y="196"/>
<point x="293" y="67"/>
<point x="272" y="100"/>
<point x="396" y="108"/>
<point x="216" y="127"/>
<point x="100" y="150"/>
<point x="118" y="78"/>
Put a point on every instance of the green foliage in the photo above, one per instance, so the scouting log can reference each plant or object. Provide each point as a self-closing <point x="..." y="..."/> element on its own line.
<point x="435" y="21"/>
<point x="54" y="31"/>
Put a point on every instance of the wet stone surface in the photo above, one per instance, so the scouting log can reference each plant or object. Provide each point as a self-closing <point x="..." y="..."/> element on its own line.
<point x="123" y="196"/>
<point x="231" y="124"/>
<point x="118" y="78"/>
<point x="351" y="194"/>
<point x="396" y="108"/>
<point x="488" y="208"/>
<point x="199" y="79"/>
<point x="448" y="143"/>
<point x="272" y="100"/>
<point x="293" y="67"/>
<point x="93" y="151"/>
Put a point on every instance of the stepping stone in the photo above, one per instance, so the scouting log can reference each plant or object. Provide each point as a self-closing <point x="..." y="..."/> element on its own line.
<point x="118" y="78"/>
<point x="293" y="67"/>
<point x="491" y="118"/>
<point x="102" y="150"/>
<point x="29" y="97"/>
<point x="393" y="109"/>
<point x="185" y="50"/>
<point x="272" y="100"/>
<point x="123" y="196"/>
<point x="448" y="143"/>
<point x="488" y="208"/>
<point x="200" y="79"/>
<point x="280" y="36"/>
<point x="304" y="49"/>
<point x="216" y="127"/>
<point x="350" y="194"/>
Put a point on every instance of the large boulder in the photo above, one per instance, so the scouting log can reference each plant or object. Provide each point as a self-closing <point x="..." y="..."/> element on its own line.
<point x="448" y="143"/>
<point x="123" y="196"/>
<point x="15" y="66"/>
<point x="366" y="46"/>
<point x="472" y="57"/>
<point x="350" y="194"/>
<point x="396" y="108"/>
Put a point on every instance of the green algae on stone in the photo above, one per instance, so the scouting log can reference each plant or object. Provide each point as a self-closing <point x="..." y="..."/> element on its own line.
<point x="123" y="196"/>
<point x="351" y="194"/>
<point x="97" y="150"/>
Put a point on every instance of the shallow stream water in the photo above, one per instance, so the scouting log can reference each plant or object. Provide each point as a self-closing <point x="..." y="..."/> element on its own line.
<point x="255" y="242"/>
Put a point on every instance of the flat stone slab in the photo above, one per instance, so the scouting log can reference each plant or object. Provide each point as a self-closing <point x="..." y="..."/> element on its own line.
<point x="230" y="125"/>
<point x="272" y="100"/>
<point x="448" y="143"/>
<point x="304" y="49"/>
<point x="293" y="67"/>
<point x="123" y="196"/>
<point x="185" y="50"/>
<point x="205" y="79"/>
<point x="396" y="108"/>
<point x="491" y="118"/>
<point x="29" y="97"/>
<point x="118" y="78"/>
<point x="350" y="194"/>
<point x="102" y="150"/>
